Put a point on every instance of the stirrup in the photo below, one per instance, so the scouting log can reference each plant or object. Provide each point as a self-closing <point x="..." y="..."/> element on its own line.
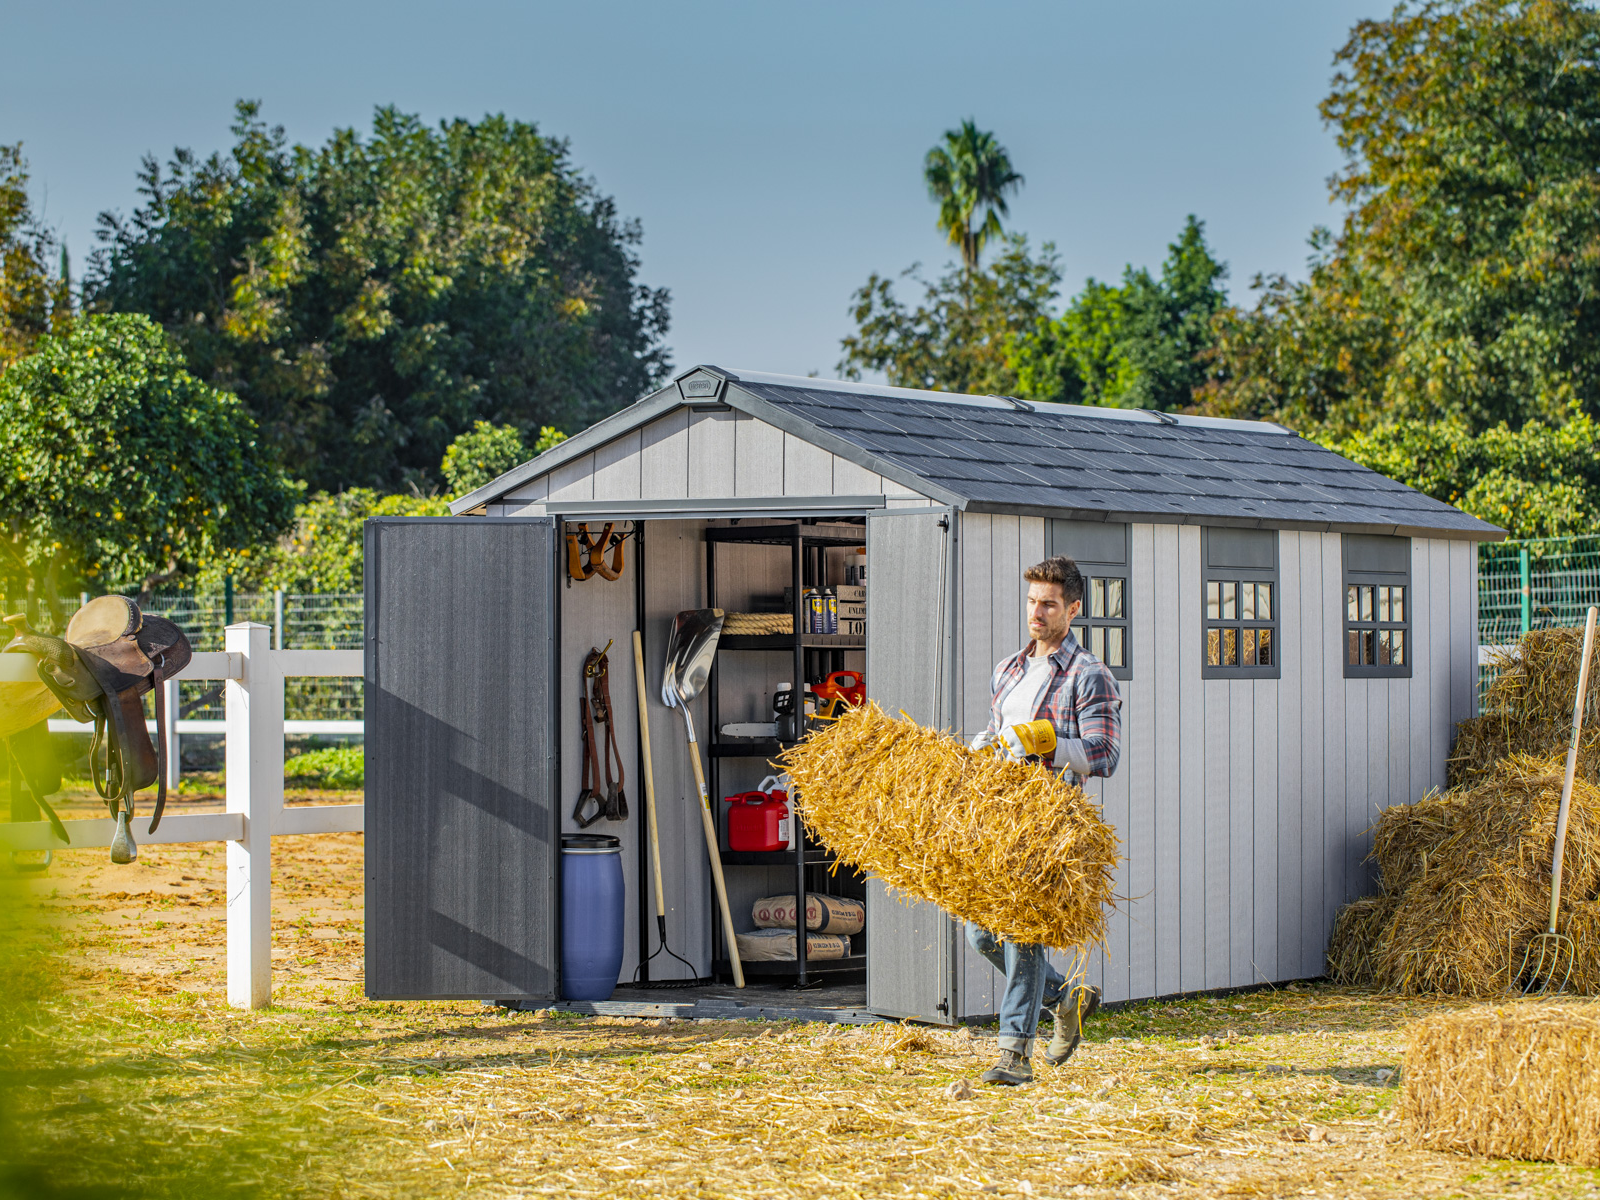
<point x="123" y="847"/>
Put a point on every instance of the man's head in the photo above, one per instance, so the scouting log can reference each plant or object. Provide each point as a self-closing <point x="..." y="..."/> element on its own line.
<point x="1055" y="598"/>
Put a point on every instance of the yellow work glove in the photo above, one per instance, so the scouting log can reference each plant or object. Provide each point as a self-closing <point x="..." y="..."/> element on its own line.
<point x="1026" y="741"/>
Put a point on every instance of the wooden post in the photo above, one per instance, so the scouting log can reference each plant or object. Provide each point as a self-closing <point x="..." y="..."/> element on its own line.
<point x="174" y="764"/>
<point x="255" y="789"/>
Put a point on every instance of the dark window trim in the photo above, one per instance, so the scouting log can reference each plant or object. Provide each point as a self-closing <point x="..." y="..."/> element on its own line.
<point x="1359" y="578"/>
<point x="1242" y="575"/>
<point x="1091" y="569"/>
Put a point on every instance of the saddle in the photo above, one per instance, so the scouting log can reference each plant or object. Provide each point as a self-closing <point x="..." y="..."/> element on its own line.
<point x="110" y="656"/>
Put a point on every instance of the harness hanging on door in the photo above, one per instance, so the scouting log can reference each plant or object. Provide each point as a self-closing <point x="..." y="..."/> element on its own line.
<point x="586" y="555"/>
<point x="594" y="708"/>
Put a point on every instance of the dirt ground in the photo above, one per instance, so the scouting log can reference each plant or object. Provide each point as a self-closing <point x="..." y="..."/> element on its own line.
<point x="123" y="1067"/>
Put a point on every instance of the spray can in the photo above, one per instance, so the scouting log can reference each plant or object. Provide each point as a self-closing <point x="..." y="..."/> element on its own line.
<point x="816" y="613"/>
<point x="830" y="604"/>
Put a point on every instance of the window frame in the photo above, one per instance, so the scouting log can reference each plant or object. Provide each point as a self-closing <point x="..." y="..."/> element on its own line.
<point x="1224" y="574"/>
<point x="1060" y="535"/>
<point x="1361" y="556"/>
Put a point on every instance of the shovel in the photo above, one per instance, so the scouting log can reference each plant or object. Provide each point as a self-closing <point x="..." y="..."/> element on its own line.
<point x="690" y="652"/>
<point x="655" y="833"/>
<point x="1552" y="953"/>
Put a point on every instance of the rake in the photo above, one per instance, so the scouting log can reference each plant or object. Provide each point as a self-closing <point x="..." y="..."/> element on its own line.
<point x="1550" y="953"/>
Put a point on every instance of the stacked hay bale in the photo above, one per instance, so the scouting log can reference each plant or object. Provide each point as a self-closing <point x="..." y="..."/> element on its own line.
<point x="1466" y="874"/>
<point x="1006" y="844"/>
<point x="1466" y="883"/>
<point x="1520" y="1083"/>
<point x="1528" y="709"/>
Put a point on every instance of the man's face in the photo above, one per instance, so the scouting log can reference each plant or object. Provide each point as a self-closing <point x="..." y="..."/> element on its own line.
<point x="1049" y="614"/>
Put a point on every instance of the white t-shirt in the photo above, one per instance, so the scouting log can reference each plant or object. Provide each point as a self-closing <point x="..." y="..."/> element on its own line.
<point x="1018" y="705"/>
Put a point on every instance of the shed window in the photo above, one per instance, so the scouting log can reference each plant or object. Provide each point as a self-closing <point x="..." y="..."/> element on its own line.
<point x="1377" y="606"/>
<point x="1101" y="551"/>
<point x="1240" y="604"/>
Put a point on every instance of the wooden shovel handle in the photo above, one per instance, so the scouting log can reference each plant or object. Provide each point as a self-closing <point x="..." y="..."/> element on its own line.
<point x="1572" y="766"/>
<point x="649" y="772"/>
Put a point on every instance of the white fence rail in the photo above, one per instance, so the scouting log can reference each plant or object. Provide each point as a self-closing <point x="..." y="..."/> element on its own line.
<point x="254" y="728"/>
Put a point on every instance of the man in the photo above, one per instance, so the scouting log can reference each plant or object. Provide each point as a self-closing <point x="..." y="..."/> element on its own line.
<point x="1052" y="702"/>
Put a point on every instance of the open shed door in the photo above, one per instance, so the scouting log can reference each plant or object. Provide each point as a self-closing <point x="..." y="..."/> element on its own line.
<point x="461" y="830"/>
<point x="911" y="945"/>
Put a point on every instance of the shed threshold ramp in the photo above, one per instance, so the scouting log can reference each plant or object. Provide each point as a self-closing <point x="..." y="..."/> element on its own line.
<point x="841" y="1005"/>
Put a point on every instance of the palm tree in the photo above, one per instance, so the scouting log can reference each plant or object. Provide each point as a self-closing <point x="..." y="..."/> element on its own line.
<point x="968" y="176"/>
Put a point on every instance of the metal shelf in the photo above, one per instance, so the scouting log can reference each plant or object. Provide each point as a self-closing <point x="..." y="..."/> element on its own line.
<point x="788" y="966"/>
<point x="780" y="535"/>
<point x="745" y="748"/>
<point x="785" y="641"/>
<point x="815" y="856"/>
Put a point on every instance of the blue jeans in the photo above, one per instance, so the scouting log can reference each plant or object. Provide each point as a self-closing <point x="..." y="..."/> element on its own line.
<point x="1030" y="982"/>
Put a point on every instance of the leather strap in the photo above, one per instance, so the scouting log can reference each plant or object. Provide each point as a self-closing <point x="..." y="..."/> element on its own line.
<point x="591" y="772"/>
<point x="597" y="675"/>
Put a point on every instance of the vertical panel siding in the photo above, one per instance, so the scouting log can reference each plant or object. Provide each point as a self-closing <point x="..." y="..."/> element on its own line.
<point x="1165" y="673"/>
<point x="713" y="445"/>
<point x="1276" y="953"/>
<point x="1463" y="631"/>
<point x="1218" y="909"/>
<point x="1193" y="783"/>
<point x="616" y="468"/>
<point x="574" y="481"/>
<point x="975" y="621"/>
<point x="807" y="468"/>
<point x="1422" y="752"/>
<point x="1141" y="757"/>
<point x="1306" y="952"/>
<point x="758" y="471"/>
<point x="1242" y="700"/>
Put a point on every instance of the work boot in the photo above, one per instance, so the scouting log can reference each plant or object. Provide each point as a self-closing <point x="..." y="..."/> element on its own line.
<point x="1011" y="1070"/>
<point x="1076" y="1007"/>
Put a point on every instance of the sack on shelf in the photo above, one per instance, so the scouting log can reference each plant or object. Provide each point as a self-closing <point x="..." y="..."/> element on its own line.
<point x="777" y="945"/>
<point x="824" y="914"/>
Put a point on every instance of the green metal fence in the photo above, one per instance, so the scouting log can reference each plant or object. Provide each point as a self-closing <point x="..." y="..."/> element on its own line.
<point x="1540" y="584"/>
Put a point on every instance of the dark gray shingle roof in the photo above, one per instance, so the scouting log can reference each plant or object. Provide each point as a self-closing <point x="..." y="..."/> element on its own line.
<point x="1126" y="465"/>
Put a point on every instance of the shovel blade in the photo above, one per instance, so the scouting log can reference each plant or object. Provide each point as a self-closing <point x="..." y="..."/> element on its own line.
<point x="690" y="652"/>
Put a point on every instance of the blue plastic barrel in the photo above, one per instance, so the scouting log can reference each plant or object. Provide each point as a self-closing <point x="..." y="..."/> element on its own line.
<point x="592" y="899"/>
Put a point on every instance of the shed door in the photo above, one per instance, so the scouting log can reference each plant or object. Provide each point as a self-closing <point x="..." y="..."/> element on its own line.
<point x="910" y="668"/>
<point x="460" y="747"/>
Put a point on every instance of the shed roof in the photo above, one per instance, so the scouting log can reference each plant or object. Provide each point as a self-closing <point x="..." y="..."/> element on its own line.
<point x="996" y="454"/>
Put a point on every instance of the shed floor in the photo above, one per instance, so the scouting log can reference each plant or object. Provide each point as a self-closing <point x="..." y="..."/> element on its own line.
<point x="840" y="1003"/>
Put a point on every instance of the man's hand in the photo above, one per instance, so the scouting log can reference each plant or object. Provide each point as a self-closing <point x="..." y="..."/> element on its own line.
<point x="1036" y="738"/>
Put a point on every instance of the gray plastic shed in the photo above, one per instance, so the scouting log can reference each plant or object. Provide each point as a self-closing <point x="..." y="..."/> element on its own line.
<point x="1294" y="635"/>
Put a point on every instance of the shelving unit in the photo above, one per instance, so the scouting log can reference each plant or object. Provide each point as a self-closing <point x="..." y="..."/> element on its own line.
<point x="814" y="655"/>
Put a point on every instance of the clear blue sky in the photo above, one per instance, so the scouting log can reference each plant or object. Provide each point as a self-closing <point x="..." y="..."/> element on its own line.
<point x="772" y="152"/>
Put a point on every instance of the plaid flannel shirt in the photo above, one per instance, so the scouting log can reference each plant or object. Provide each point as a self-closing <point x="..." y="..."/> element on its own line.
<point x="1080" y="699"/>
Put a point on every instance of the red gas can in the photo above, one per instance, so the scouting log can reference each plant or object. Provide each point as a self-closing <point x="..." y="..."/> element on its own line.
<point x="759" y="820"/>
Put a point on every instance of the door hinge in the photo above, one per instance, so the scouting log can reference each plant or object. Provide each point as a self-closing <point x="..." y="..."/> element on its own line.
<point x="942" y="1008"/>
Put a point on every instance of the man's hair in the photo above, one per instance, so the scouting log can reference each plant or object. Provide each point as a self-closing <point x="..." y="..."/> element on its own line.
<point x="1061" y="571"/>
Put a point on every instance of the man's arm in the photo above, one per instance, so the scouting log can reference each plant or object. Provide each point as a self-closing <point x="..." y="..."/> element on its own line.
<point x="1098" y="746"/>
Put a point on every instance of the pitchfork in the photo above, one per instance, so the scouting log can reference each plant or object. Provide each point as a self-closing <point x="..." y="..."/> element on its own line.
<point x="1552" y="953"/>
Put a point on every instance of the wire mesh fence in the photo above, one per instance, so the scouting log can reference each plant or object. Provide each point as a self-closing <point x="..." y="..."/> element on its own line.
<point x="1540" y="584"/>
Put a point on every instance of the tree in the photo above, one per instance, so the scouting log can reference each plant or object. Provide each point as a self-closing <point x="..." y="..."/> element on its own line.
<point x="1465" y="279"/>
<point x="968" y="177"/>
<point x="370" y="299"/>
<point x="1141" y="345"/>
<point x="960" y="337"/>
<point x="486" y="452"/>
<point x="322" y="551"/>
<point x="31" y="302"/>
<point x="1540" y="481"/>
<point x="119" y="468"/>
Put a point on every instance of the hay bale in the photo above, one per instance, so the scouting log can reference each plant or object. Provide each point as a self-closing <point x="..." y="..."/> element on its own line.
<point x="1405" y="836"/>
<point x="1582" y="925"/>
<point x="1359" y="929"/>
<point x="1521" y="1082"/>
<point x="1008" y="845"/>
<point x="1471" y="876"/>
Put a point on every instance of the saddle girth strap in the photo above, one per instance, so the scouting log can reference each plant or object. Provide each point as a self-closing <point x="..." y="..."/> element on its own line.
<point x="597" y="679"/>
<point x="591" y="772"/>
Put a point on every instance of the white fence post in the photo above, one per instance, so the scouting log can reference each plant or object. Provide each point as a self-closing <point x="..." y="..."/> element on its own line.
<point x="277" y="619"/>
<point x="174" y="761"/>
<point x="254" y="788"/>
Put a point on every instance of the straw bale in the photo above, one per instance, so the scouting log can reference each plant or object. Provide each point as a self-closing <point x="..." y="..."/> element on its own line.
<point x="1582" y="925"/>
<point x="1357" y="931"/>
<point x="1520" y="1082"/>
<point x="1009" y="845"/>
<point x="1473" y="869"/>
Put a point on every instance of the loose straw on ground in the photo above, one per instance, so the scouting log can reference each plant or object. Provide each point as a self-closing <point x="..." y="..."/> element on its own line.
<point x="1009" y="845"/>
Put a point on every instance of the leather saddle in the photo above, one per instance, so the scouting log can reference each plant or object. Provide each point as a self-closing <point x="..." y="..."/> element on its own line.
<point x="110" y="655"/>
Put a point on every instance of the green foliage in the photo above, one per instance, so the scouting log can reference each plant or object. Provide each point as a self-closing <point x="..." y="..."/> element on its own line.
<point x="960" y="337"/>
<point x="118" y="467"/>
<point x="968" y="178"/>
<point x="1542" y="480"/>
<point x="1465" y="279"/>
<point x="1140" y="345"/>
<point x="31" y="301"/>
<point x="486" y="452"/>
<point x="370" y="299"/>
<point x="340" y="767"/>
<point x="322" y="551"/>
